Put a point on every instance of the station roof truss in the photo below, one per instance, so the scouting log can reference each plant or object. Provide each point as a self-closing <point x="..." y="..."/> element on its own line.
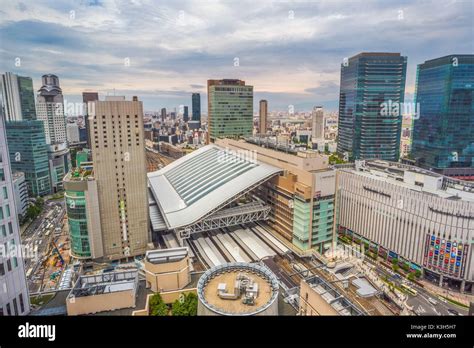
<point x="194" y="193"/>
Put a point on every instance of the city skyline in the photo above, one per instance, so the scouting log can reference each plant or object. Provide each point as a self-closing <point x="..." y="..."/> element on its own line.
<point x="285" y="50"/>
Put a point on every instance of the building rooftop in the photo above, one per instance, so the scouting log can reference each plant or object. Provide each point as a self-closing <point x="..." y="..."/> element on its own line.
<point x="203" y="181"/>
<point x="332" y="296"/>
<point x="166" y="255"/>
<point x="413" y="178"/>
<point x="97" y="284"/>
<point x="238" y="288"/>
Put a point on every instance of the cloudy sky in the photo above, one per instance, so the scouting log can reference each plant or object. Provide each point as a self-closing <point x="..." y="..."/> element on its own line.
<point x="163" y="51"/>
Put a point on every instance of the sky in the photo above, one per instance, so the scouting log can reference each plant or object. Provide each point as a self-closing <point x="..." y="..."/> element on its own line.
<point x="163" y="51"/>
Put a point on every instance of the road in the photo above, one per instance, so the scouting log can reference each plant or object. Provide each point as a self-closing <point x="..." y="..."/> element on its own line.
<point x="36" y="242"/>
<point x="420" y="303"/>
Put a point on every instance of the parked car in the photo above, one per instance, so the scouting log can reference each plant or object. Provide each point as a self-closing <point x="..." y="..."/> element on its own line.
<point x="432" y="301"/>
<point x="452" y="312"/>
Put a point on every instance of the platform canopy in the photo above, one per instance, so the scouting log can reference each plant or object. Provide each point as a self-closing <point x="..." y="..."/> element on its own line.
<point x="204" y="181"/>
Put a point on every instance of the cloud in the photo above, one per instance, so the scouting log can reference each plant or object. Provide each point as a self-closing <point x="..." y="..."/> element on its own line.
<point x="289" y="51"/>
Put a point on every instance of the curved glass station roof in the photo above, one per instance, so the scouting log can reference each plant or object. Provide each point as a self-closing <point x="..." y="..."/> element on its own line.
<point x="196" y="184"/>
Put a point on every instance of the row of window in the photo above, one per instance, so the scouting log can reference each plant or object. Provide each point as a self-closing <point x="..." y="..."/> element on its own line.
<point x="12" y="309"/>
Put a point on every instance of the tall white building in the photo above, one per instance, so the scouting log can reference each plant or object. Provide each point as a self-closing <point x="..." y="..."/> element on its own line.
<point x="14" y="298"/>
<point x="420" y="218"/>
<point x="317" y="134"/>
<point x="50" y="110"/>
<point x="72" y="130"/>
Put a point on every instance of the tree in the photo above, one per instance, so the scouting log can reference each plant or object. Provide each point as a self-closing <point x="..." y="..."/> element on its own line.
<point x="186" y="305"/>
<point x="418" y="273"/>
<point x="157" y="306"/>
<point x="411" y="276"/>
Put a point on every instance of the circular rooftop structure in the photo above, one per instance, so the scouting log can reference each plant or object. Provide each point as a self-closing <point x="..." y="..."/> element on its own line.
<point x="238" y="289"/>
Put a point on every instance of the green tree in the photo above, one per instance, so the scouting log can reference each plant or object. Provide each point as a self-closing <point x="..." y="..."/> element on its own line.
<point x="186" y="305"/>
<point x="418" y="273"/>
<point x="157" y="306"/>
<point x="411" y="276"/>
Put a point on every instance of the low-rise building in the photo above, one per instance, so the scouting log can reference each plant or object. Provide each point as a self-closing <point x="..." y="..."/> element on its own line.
<point x="167" y="269"/>
<point x="82" y="207"/>
<point x="103" y="292"/>
<point x="421" y="219"/>
<point x="318" y="297"/>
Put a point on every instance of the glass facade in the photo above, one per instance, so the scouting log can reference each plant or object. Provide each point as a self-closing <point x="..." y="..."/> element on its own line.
<point x="29" y="154"/>
<point x="27" y="98"/>
<point x="323" y="218"/>
<point x="77" y="219"/>
<point x="301" y="223"/>
<point x="443" y="134"/>
<point x="196" y="107"/>
<point x="367" y="129"/>
<point x="230" y="109"/>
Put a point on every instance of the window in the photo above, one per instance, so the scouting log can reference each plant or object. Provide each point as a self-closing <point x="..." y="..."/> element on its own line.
<point x="5" y="193"/>
<point x="1" y="212"/>
<point x="10" y="228"/>
<point x="3" y="229"/>
<point x="8" y="210"/>
<point x="22" y="304"/>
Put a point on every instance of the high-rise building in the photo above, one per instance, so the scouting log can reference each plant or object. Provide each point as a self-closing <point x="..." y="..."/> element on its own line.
<point x="29" y="154"/>
<point x="196" y="107"/>
<point x="88" y="97"/>
<point x="118" y="153"/>
<point x="230" y="109"/>
<point x="50" y="110"/>
<point x="371" y="83"/>
<point x="263" y="113"/>
<point x="59" y="159"/>
<point x="186" y="114"/>
<point x="72" y="132"/>
<point x="317" y="129"/>
<point x="443" y="136"/>
<point x="14" y="297"/>
<point x="18" y="97"/>
<point x="20" y="191"/>
<point x="163" y="114"/>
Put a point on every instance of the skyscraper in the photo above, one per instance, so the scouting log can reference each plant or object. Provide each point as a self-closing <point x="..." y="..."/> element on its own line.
<point x="317" y="129"/>
<point x="443" y="136"/>
<point x="196" y="107"/>
<point x="186" y="114"/>
<point x="163" y="114"/>
<point x="14" y="298"/>
<point x="29" y="154"/>
<point x="18" y="97"/>
<point x="118" y="153"/>
<point x="369" y="82"/>
<point x="230" y="109"/>
<point x="88" y="97"/>
<point x="51" y="110"/>
<point x="263" y="112"/>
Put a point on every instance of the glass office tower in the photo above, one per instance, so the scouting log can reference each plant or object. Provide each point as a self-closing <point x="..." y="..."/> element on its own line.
<point x="230" y="109"/>
<point x="443" y="137"/>
<point x="196" y="107"/>
<point x="29" y="154"/>
<point x="367" y="127"/>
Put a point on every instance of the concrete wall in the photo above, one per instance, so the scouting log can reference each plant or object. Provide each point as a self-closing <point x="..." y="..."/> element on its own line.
<point x="100" y="303"/>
